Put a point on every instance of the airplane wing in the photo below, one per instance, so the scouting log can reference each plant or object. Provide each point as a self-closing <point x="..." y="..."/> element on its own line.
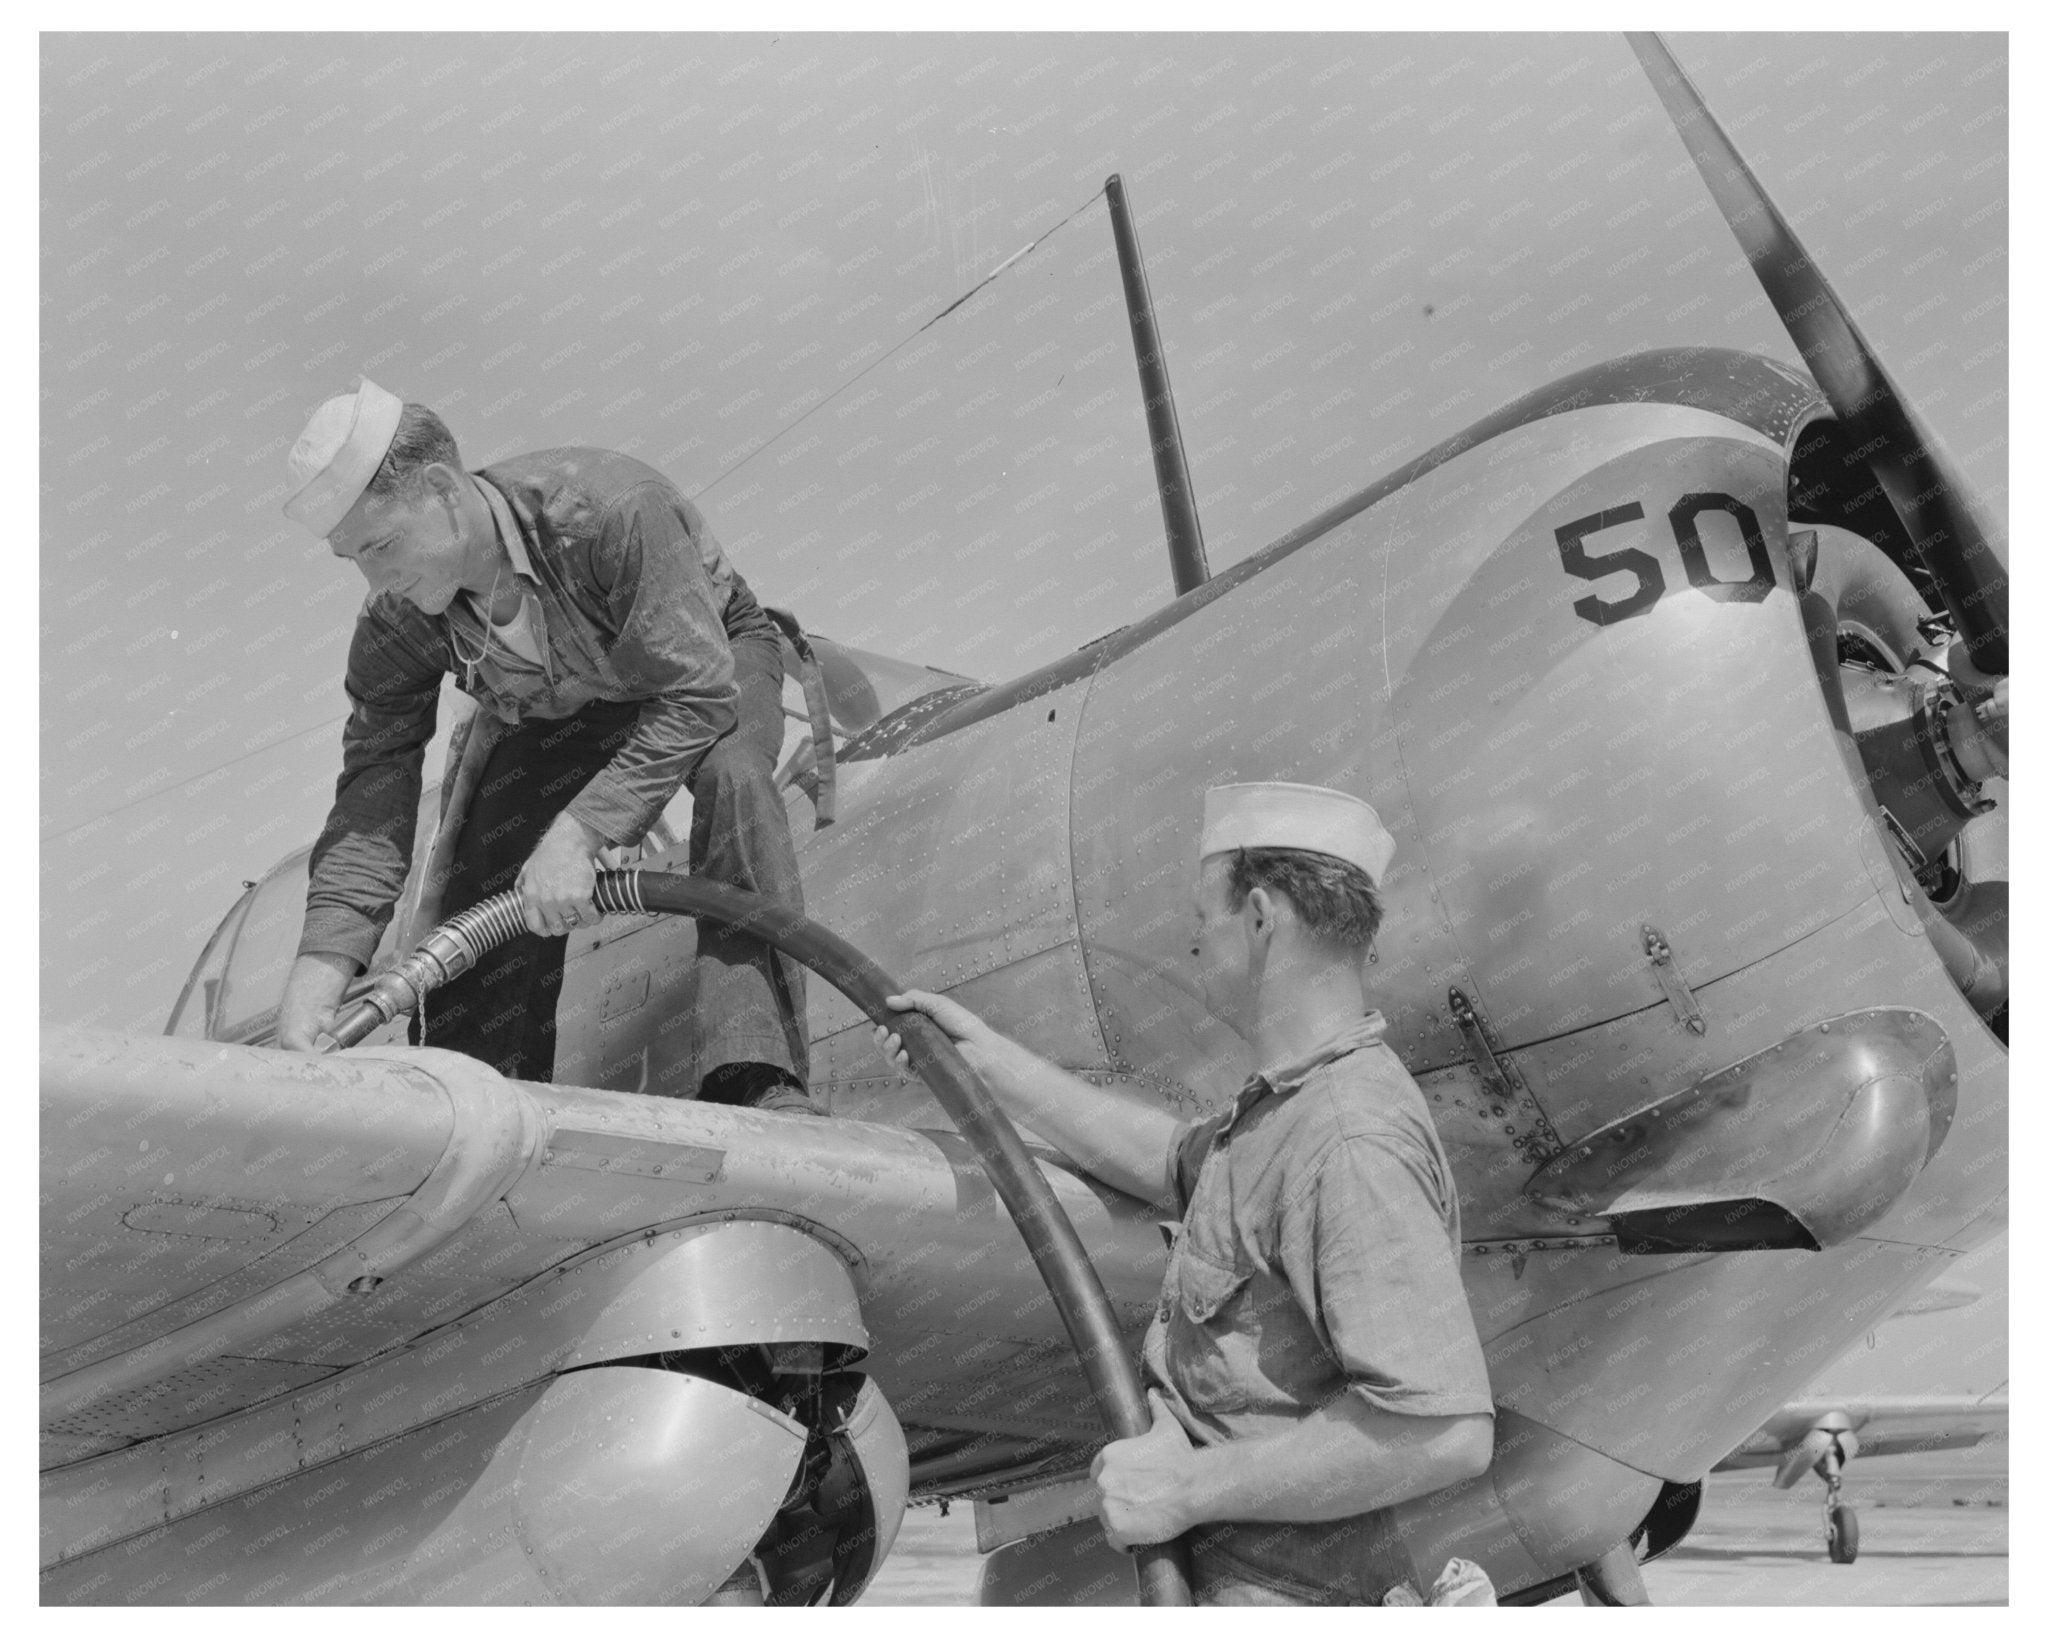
<point x="313" y="1253"/>
<point x="1884" y="1425"/>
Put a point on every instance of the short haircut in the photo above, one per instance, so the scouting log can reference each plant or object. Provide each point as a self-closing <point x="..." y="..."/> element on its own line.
<point x="1336" y="901"/>
<point x="422" y="438"/>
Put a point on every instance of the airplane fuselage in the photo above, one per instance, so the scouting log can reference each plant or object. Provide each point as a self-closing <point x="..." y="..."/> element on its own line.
<point x="1565" y="658"/>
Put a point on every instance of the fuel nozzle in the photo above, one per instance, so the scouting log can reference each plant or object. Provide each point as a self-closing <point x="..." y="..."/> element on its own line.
<point x="447" y="952"/>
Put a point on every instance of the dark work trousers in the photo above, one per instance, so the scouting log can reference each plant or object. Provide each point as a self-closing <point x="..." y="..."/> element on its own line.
<point x="750" y="1001"/>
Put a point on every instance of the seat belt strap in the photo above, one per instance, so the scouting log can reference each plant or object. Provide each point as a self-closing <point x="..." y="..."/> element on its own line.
<point x="801" y="661"/>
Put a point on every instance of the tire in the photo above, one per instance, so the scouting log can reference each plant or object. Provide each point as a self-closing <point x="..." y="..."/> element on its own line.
<point x="1843" y="1541"/>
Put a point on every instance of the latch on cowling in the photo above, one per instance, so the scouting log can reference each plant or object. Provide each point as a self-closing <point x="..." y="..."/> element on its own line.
<point x="1664" y="968"/>
<point x="1512" y="1101"/>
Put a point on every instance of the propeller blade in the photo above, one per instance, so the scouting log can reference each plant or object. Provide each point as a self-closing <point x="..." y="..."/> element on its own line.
<point x="1925" y="487"/>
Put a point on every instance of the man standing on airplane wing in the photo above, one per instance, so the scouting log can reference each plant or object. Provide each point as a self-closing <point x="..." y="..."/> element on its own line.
<point x="615" y="655"/>
<point x="1312" y="1361"/>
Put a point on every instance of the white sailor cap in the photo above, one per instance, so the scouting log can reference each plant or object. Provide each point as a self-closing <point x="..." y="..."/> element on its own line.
<point x="1312" y="818"/>
<point x="338" y="454"/>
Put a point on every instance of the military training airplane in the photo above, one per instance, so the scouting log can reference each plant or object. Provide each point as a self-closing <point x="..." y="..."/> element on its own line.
<point x="1820" y="1435"/>
<point x="1680" y="683"/>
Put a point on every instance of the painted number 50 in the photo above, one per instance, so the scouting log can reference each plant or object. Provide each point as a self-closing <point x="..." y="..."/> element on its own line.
<point x="1683" y="517"/>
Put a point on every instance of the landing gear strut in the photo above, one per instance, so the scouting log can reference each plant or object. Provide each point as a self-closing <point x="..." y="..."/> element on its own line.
<point x="1841" y="1517"/>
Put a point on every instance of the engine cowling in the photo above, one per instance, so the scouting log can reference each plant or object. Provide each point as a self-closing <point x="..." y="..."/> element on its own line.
<point x="721" y="1398"/>
<point x="697" y="1413"/>
<point x="639" y="1486"/>
<point x="1830" y="1439"/>
<point x="1935" y="762"/>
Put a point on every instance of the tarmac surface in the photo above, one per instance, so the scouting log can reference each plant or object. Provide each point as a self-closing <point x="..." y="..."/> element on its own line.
<point x="1934" y="1531"/>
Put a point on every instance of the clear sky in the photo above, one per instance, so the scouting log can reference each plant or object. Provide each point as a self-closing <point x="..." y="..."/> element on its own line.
<point x="676" y="245"/>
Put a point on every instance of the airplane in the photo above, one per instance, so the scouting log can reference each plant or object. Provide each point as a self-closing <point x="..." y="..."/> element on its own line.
<point x="1821" y="1435"/>
<point x="1819" y="1432"/>
<point x="1680" y="683"/>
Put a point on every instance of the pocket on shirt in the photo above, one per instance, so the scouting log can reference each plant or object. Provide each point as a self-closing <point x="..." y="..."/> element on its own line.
<point x="1206" y="1353"/>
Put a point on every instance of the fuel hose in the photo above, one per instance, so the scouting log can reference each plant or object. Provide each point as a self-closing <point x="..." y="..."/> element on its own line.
<point x="1076" y="1289"/>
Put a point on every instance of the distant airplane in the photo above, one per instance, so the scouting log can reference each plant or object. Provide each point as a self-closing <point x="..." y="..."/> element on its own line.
<point x="1820" y="1434"/>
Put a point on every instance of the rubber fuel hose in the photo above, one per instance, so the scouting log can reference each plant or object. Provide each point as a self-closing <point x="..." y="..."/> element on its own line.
<point x="1049" y="1234"/>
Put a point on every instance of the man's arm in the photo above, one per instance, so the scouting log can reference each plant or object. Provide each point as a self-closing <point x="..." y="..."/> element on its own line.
<point x="1364" y="1246"/>
<point x="359" y="863"/>
<point x="1121" y="1139"/>
<point x="670" y="653"/>
<point x="312" y="999"/>
<point x="1345" y="1459"/>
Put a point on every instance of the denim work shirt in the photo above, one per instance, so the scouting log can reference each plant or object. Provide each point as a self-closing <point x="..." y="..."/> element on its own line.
<point x="1317" y="1256"/>
<point x="630" y="597"/>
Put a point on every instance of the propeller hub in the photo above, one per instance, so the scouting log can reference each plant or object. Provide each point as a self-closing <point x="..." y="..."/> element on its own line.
<point x="1927" y="754"/>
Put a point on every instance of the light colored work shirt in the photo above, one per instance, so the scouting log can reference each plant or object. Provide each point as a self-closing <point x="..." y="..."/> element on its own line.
<point x="1317" y="1256"/>
<point x="517" y="634"/>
